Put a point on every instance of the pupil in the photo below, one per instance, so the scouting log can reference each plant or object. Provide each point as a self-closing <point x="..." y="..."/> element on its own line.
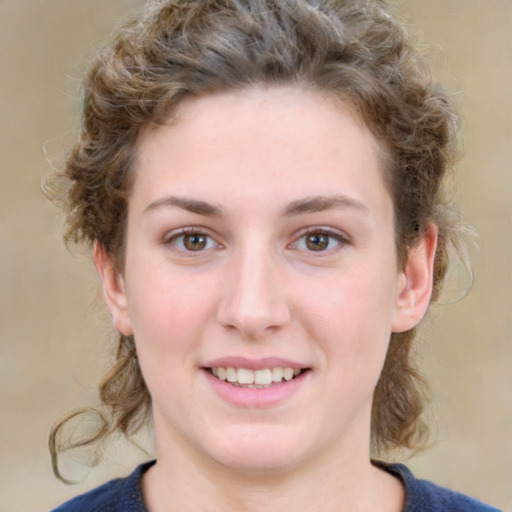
<point x="317" y="242"/>
<point x="194" y="242"/>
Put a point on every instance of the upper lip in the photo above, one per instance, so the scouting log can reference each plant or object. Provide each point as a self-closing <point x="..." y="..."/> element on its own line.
<point x="254" y="364"/>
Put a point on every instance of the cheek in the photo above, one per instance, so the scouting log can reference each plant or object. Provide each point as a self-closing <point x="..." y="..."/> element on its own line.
<point x="350" y="316"/>
<point x="168" y="323"/>
<point x="168" y="313"/>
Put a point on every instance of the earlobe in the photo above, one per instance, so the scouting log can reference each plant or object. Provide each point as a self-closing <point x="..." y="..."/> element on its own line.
<point x="415" y="282"/>
<point x="113" y="289"/>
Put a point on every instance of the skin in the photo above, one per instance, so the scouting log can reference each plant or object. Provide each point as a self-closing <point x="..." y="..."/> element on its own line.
<point x="251" y="162"/>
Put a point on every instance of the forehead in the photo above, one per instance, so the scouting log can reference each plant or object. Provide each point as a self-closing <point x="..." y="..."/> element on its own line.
<point x="283" y="141"/>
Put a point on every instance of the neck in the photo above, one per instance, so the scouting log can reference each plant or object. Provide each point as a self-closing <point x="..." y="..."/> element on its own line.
<point x="331" y="482"/>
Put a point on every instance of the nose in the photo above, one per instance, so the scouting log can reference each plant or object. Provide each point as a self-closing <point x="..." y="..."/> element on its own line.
<point x="254" y="299"/>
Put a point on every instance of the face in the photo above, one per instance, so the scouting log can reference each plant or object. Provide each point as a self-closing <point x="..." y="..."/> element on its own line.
<point x="261" y="279"/>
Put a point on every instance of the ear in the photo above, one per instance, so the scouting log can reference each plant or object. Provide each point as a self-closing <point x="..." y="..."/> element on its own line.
<point x="113" y="289"/>
<point x="415" y="282"/>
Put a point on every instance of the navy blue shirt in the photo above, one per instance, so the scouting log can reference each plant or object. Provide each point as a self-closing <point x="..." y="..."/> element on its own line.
<point x="125" y="495"/>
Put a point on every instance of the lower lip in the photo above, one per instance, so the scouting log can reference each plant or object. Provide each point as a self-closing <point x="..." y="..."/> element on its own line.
<point x="256" y="397"/>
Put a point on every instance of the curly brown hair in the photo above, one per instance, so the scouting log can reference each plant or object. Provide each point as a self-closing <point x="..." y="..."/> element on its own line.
<point x="352" y="50"/>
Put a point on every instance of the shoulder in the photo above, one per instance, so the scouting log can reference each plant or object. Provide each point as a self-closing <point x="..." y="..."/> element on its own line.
<point x="424" y="496"/>
<point x="119" y="495"/>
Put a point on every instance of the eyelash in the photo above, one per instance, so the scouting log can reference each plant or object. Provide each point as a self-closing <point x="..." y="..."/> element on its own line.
<point x="331" y="234"/>
<point x="172" y="238"/>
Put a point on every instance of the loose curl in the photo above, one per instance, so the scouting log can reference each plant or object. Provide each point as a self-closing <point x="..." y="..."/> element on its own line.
<point x="352" y="50"/>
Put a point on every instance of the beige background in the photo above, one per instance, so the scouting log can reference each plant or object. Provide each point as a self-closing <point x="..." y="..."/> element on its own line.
<point x="53" y="341"/>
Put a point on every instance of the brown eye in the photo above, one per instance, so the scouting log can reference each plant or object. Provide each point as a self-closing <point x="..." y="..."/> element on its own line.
<point x="194" y="242"/>
<point x="317" y="241"/>
<point x="320" y="240"/>
<point x="187" y="241"/>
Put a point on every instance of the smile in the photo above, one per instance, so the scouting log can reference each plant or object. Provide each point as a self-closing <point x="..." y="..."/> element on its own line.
<point x="245" y="377"/>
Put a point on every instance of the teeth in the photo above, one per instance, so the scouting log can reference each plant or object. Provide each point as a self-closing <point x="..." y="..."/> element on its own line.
<point x="277" y="374"/>
<point x="231" y="375"/>
<point x="246" y="377"/>
<point x="263" y="377"/>
<point x="288" y="373"/>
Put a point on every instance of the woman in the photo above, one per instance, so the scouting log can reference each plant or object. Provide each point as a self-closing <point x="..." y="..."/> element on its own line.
<point x="263" y="187"/>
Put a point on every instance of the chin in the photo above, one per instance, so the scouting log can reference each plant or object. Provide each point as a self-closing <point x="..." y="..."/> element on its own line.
<point x="258" y="451"/>
<point x="256" y="462"/>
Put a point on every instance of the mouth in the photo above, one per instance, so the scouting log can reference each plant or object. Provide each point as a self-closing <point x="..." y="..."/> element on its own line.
<point x="255" y="379"/>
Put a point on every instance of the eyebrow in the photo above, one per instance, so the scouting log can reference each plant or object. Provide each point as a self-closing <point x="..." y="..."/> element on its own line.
<point x="299" y="207"/>
<point x="191" y="205"/>
<point x="321" y="203"/>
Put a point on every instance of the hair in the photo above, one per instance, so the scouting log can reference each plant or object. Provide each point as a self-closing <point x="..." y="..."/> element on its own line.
<point x="352" y="50"/>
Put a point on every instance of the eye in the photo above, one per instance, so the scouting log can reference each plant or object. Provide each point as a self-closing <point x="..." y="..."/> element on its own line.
<point x="319" y="240"/>
<point x="191" y="240"/>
